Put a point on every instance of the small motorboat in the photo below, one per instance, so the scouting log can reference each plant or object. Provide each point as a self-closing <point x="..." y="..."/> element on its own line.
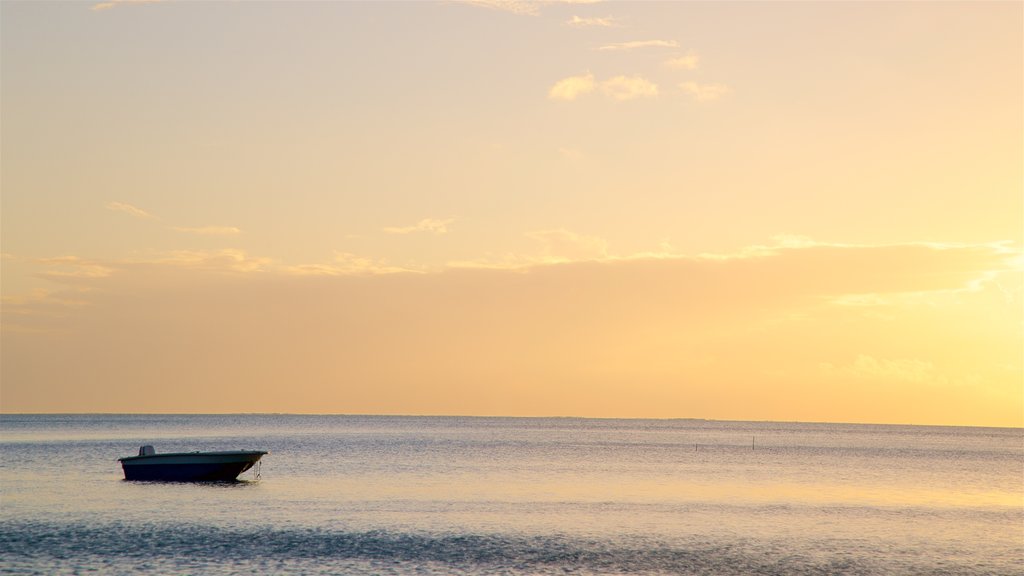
<point x="188" y="466"/>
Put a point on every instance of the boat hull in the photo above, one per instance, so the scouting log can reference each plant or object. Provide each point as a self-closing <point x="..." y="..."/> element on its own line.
<point x="190" y="467"/>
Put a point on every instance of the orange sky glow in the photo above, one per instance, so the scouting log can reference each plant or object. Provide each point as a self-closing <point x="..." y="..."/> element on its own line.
<point x="758" y="211"/>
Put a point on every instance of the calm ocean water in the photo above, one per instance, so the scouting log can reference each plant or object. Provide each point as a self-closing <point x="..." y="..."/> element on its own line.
<point x="411" y="495"/>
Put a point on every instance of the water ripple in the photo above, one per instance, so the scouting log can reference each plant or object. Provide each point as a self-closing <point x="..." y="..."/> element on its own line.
<point x="50" y="548"/>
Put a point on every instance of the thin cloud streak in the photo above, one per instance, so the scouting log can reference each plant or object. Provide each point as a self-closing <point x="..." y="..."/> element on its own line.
<point x="110" y="4"/>
<point x="521" y="7"/>
<point x="196" y="230"/>
<point x="605" y="22"/>
<point x="558" y="246"/>
<point x="431" y="225"/>
<point x="883" y="369"/>
<point x="69" y="269"/>
<point x="637" y="44"/>
<point x="129" y="209"/>
<point x="208" y="230"/>
<point x="348" y="264"/>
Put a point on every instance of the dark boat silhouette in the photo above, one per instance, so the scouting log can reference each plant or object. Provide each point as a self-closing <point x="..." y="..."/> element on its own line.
<point x="188" y="466"/>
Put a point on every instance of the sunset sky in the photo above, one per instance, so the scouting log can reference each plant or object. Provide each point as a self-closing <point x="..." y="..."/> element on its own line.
<point x="805" y="211"/>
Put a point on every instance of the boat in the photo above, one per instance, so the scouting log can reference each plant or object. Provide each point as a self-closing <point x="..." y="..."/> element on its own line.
<point x="188" y="466"/>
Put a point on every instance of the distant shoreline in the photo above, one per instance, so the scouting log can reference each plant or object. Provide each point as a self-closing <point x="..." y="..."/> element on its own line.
<point x="512" y="417"/>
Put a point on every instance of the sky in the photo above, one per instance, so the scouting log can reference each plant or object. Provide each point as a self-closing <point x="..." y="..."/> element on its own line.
<point x="791" y="211"/>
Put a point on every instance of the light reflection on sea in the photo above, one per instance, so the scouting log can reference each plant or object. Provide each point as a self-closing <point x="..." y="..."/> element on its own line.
<point x="485" y="495"/>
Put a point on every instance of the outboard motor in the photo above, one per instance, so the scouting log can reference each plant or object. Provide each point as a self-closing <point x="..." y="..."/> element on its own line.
<point x="147" y="450"/>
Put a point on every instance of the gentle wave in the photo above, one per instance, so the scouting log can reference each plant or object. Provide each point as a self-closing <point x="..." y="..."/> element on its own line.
<point x="47" y="548"/>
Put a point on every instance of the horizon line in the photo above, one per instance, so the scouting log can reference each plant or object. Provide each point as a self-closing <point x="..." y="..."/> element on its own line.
<point x="508" y="417"/>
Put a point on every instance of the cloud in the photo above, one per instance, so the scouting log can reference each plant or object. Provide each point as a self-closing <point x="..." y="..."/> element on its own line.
<point x="689" y="61"/>
<point x="114" y="3"/>
<point x="704" y="92"/>
<point x="617" y="88"/>
<point x="22" y="304"/>
<point x="81" y="271"/>
<point x="208" y="230"/>
<point x="432" y="225"/>
<point x="636" y="44"/>
<point x="578" y="22"/>
<point x="70" y="269"/>
<point x="522" y="7"/>
<point x="629" y="88"/>
<point x="197" y="230"/>
<point x="778" y="242"/>
<point x="570" y="88"/>
<point x="565" y="246"/>
<point x="348" y="264"/>
<point x="226" y="260"/>
<point x="129" y="209"/>
<point x="557" y="246"/>
<point x="679" y="336"/>
<point x="888" y="370"/>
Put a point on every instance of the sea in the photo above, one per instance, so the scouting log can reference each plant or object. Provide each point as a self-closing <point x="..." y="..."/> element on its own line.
<point x="461" y="495"/>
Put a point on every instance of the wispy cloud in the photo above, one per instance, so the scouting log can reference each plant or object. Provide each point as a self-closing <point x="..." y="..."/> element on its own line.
<point x="556" y="246"/>
<point x="578" y="22"/>
<point x="129" y="209"/>
<point x="629" y="88"/>
<point x="573" y="87"/>
<point x="25" y="304"/>
<point x="227" y="260"/>
<point x="72" y="268"/>
<point x="704" y="92"/>
<point x="688" y="61"/>
<point x="432" y="225"/>
<point x="348" y="264"/>
<point x="797" y="262"/>
<point x="887" y="370"/>
<point x="617" y="88"/>
<point x="197" y="230"/>
<point x="565" y="246"/>
<point x="523" y="7"/>
<point x="636" y="44"/>
<point x="574" y="314"/>
<point x="208" y="230"/>
<point x="114" y="3"/>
